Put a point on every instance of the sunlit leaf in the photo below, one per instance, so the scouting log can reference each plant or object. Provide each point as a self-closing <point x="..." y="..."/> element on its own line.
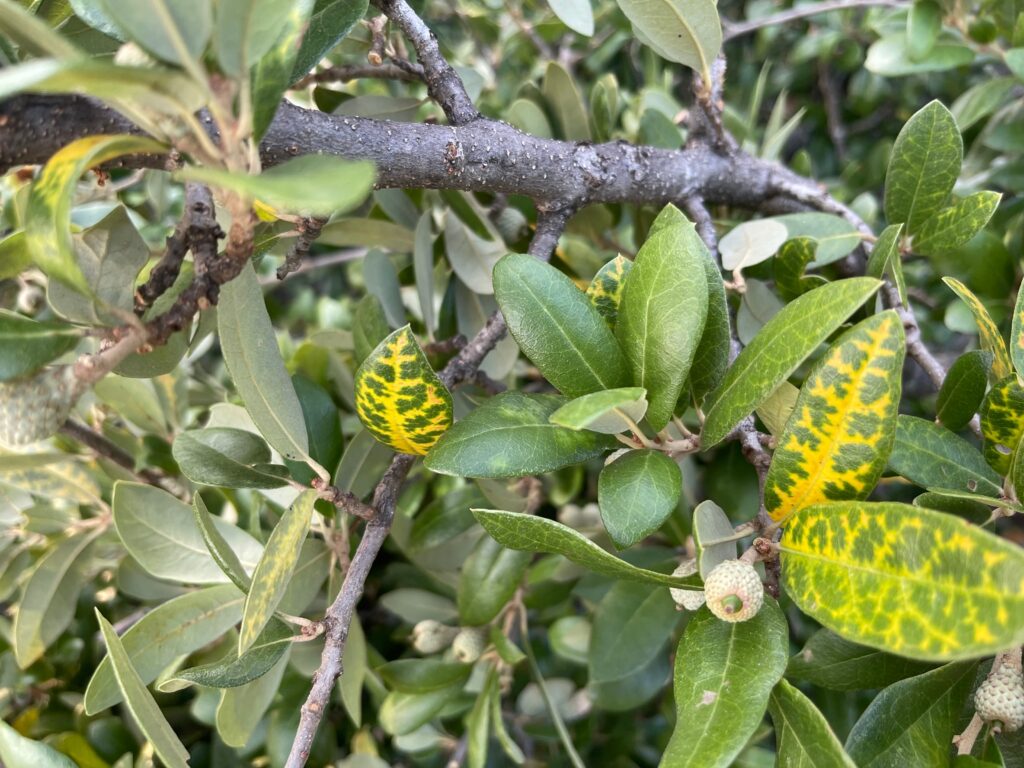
<point x="991" y="339"/>
<point x="1002" y="423"/>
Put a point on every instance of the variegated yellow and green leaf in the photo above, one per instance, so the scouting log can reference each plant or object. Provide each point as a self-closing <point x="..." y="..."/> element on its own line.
<point x="399" y="398"/>
<point x="904" y="579"/>
<point x="838" y="439"/>
<point x="1002" y="423"/>
<point x="605" y="290"/>
<point x="1017" y="335"/>
<point x="991" y="341"/>
<point x="48" y="214"/>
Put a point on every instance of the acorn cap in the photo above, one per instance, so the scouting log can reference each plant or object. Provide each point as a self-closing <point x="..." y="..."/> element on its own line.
<point x="34" y="407"/>
<point x="430" y="636"/>
<point x="1000" y="698"/>
<point x="469" y="644"/>
<point x="733" y="591"/>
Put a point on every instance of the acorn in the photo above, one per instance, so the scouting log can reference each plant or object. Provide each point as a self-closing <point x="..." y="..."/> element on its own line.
<point x="1000" y="699"/>
<point x="430" y="636"/>
<point x="689" y="599"/>
<point x="733" y="591"/>
<point x="34" y="407"/>
<point x="469" y="644"/>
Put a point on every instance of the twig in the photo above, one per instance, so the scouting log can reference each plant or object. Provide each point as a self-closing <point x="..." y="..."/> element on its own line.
<point x="101" y="446"/>
<point x="378" y="39"/>
<point x="705" y="118"/>
<point x="694" y="208"/>
<point x="443" y="83"/>
<point x="551" y="221"/>
<point x="833" y="109"/>
<point x="309" y="230"/>
<point x="412" y="73"/>
<point x="343" y="500"/>
<point x="738" y="29"/>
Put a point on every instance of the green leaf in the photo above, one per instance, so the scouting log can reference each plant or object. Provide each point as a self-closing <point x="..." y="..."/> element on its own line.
<point x="887" y="576"/>
<point x="323" y="426"/>
<point x="230" y="458"/>
<point x="933" y="457"/>
<point x="963" y="389"/>
<point x="751" y="243"/>
<point x="836" y="443"/>
<point x="250" y="350"/>
<point x="608" y="412"/>
<point x="784" y="342"/>
<point x="662" y="314"/>
<point x="50" y="596"/>
<point x="423" y="675"/>
<point x="370" y="326"/>
<point x="577" y="15"/>
<point x="557" y="327"/>
<point x="14" y="255"/>
<point x="310" y="185"/>
<point x="234" y="671"/>
<point x="713" y="536"/>
<point x="537" y="534"/>
<point x="913" y="717"/>
<point x="1017" y="335"/>
<point x="711" y="359"/>
<point x="27" y="345"/>
<point x="217" y="545"/>
<point x="789" y="265"/>
<point x="273" y="73"/>
<point x="888" y="57"/>
<point x="642" y="618"/>
<point x="161" y="533"/>
<point x="16" y="751"/>
<point x="423" y="269"/>
<point x="444" y="519"/>
<point x="885" y="258"/>
<point x="565" y="102"/>
<point x="245" y="30"/>
<point x="171" y="630"/>
<point x="835" y="236"/>
<point x="354" y="662"/>
<point x="329" y="24"/>
<point x="981" y="100"/>
<point x="472" y="257"/>
<point x="724" y="675"/>
<point x="924" y="22"/>
<point x="110" y="255"/>
<point x="637" y="492"/>
<point x="923" y="167"/>
<point x="399" y="398"/>
<point x="140" y="702"/>
<point x="176" y="32"/>
<point x="1002" y="423"/>
<point x="605" y="290"/>
<point x="687" y="32"/>
<point x="510" y="436"/>
<point x="275" y="569"/>
<point x="241" y="709"/>
<point x="803" y="737"/>
<point x="829" y="661"/>
<point x="48" y="212"/>
<point x="952" y="227"/>
<point x="489" y="578"/>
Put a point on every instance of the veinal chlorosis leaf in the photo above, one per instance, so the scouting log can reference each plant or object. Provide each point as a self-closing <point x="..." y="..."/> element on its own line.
<point x="991" y="339"/>
<point x="1017" y="334"/>
<point x="557" y="327"/>
<point x="688" y="32"/>
<point x="27" y="345"/>
<point x="605" y="290"/>
<point x="249" y="345"/>
<point x="931" y="456"/>
<point x="952" y="227"/>
<point x="1002" y="423"/>
<point x="226" y="457"/>
<point x="923" y="166"/>
<point x="537" y="534"/>
<point x="963" y="389"/>
<point x="274" y="570"/>
<point x="905" y="579"/>
<point x="140" y="702"/>
<point x="803" y="737"/>
<point x="310" y="185"/>
<point x="788" y="267"/>
<point x="609" y="411"/>
<point x="511" y="435"/>
<point x="636" y="493"/>
<point x="661" y="315"/>
<point x="886" y="258"/>
<point x="776" y="351"/>
<point x="48" y="213"/>
<point x="917" y="716"/>
<point x="171" y="630"/>
<point x="399" y="398"/>
<point x="723" y="677"/>
<point x="837" y="442"/>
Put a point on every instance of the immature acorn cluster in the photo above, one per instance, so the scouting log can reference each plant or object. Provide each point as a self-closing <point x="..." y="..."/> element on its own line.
<point x="467" y="643"/>
<point x="733" y="591"/>
<point x="1000" y="698"/>
<point x="34" y="407"/>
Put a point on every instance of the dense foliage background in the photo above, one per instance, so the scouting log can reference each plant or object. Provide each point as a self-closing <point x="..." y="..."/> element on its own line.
<point x="156" y="502"/>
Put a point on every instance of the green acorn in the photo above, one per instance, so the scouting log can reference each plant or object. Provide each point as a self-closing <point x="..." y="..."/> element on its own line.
<point x="733" y="591"/>
<point x="430" y="636"/>
<point x="469" y="644"/>
<point x="1000" y="699"/>
<point x="34" y="407"/>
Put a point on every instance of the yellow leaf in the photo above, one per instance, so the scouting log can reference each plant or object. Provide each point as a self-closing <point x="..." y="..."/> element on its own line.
<point x="991" y="340"/>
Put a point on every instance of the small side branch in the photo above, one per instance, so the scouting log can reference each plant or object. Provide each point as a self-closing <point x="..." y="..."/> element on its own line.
<point x="104" y="448"/>
<point x="309" y="230"/>
<point x="738" y="29"/>
<point x="411" y="73"/>
<point x="443" y="83"/>
<point x="551" y="221"/>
